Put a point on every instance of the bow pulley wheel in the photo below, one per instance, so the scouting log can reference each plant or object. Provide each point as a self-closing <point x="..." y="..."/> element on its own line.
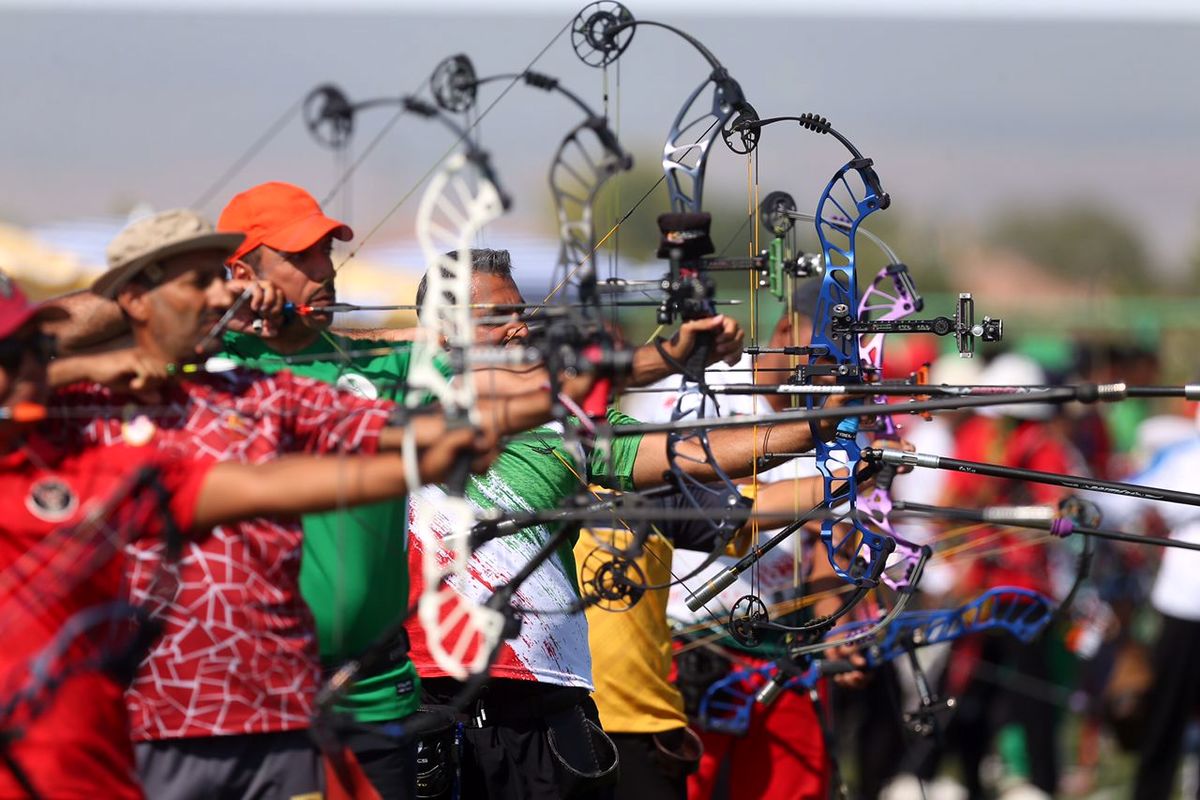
<point x="749" y="614"/>
<point x="775" y="213"/>
<point x="329" y="116"/>
<point x="454" y="84"/>
<point x="741" y="132"/>
<point x="614" y="581"/>
<point x="593" y="34"/>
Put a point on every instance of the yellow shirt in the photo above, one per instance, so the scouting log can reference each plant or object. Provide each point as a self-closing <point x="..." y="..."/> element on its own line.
<point x="631" y="650"/>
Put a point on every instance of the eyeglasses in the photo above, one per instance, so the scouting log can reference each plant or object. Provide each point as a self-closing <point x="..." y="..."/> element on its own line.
<point x="43" y="347"/>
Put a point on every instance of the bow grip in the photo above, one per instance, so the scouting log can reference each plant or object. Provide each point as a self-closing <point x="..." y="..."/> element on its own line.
<point x="697" y="360"/>
<point x="460" y="472"/>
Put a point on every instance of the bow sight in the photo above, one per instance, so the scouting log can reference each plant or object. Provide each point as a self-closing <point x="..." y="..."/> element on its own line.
<point x="780" y="259"/>
<point x="963" y="326"/>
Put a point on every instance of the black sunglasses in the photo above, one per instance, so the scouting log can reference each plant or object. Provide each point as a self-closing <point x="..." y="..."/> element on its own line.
<point x="43" y="346"/>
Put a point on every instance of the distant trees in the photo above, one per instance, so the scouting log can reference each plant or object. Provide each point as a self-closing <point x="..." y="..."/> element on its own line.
<point x="1084" y="242"/>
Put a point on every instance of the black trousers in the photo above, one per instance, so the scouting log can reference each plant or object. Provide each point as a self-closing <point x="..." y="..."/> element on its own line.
<point x="389" y="765"/>
<point x="1171" y="704"/>
<point x="646" y="774"/>
<point x="535" y="742"/>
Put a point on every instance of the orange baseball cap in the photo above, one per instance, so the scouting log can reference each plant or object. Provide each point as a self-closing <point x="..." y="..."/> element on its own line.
<point x="281" y="216"/>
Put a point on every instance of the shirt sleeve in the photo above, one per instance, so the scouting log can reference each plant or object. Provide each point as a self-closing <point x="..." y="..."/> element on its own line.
<point x="698" y="532"/>
<point x="178" y="481"/>
<point x="320" y="418"/>
<point x="182" y="480"/>
<point x="612" y="467"/>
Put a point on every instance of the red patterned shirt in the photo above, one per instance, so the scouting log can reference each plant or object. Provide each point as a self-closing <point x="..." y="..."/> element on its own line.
<point x="238" y="653"/>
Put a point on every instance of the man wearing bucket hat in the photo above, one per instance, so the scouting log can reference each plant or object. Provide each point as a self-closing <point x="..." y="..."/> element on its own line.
<point x="71" y="737"/>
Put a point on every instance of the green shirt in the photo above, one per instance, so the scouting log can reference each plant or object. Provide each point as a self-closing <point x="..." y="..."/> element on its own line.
<point x="535" y="471"/>
<point x="354" y="573"/>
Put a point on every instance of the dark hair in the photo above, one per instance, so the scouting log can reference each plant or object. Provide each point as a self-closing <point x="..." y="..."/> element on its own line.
<point x="483" y="260"/>
<point x="253" y="259"/>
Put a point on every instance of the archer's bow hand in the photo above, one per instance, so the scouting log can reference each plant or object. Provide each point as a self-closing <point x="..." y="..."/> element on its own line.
<point x="262" y="314"/>
<point x="440" y="447"/>
<point x="653" y="362"/>
<point x="728" y="337"/>
<point x="128" y="370"/>
<point x="850" y="680"/>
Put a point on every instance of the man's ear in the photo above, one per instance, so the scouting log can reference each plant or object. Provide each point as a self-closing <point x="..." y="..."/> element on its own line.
<point x="241" y="271"/>
<point x="134" y="300"/>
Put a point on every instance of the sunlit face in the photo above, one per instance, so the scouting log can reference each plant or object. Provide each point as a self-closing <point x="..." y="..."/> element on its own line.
<point x="305" y="278"/>
<point x="175" y="316"/>
<point x="493" y="289"/>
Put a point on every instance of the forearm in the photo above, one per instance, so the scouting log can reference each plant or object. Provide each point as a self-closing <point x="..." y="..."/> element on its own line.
<point x="739" y="452"/>
<point x="72" y="369"/>
<point x="91" y="320"/>
<point x="789" y="496"/>
<point x="378" y="334"/>
<point x="498" y="416"/>
<point x="495" y="382"/>
<point x="294" y="485"/>
<point x="648" y="366"/>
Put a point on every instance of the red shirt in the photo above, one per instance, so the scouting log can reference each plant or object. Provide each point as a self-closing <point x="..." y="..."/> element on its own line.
<point x="74" y="739"/>
<point x="239" y="651"/>
<point x="1028" y="445"/>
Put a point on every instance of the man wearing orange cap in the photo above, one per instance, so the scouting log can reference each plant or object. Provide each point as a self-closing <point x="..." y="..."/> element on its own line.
<point x="354" y="570"/>
<point x="288" y="244"/>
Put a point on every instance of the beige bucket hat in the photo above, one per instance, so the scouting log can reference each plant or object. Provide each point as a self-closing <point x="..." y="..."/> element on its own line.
<point x="152" y="239"/>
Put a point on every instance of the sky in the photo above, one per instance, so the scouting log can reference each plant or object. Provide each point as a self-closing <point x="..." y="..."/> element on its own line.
<point x="968" y="109"/>
<point x="934" y="9"/>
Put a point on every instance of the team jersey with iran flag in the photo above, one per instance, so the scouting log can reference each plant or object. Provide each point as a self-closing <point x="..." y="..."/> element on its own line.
<point x="238" y="652"/>
<point x="71" y="739"/>
<point x="535" y="472"/>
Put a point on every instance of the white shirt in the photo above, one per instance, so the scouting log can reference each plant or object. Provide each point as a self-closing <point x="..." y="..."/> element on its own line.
<point x="1177" y="588"/>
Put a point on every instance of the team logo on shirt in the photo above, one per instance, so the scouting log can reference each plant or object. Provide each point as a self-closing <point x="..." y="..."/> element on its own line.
<point x="358" y="385"/>
<point x="51" y="500"/>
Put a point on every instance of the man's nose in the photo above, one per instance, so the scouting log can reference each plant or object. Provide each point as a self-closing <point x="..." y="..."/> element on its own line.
<point x="321" y="269"/>
<point x="219" y="296"/>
